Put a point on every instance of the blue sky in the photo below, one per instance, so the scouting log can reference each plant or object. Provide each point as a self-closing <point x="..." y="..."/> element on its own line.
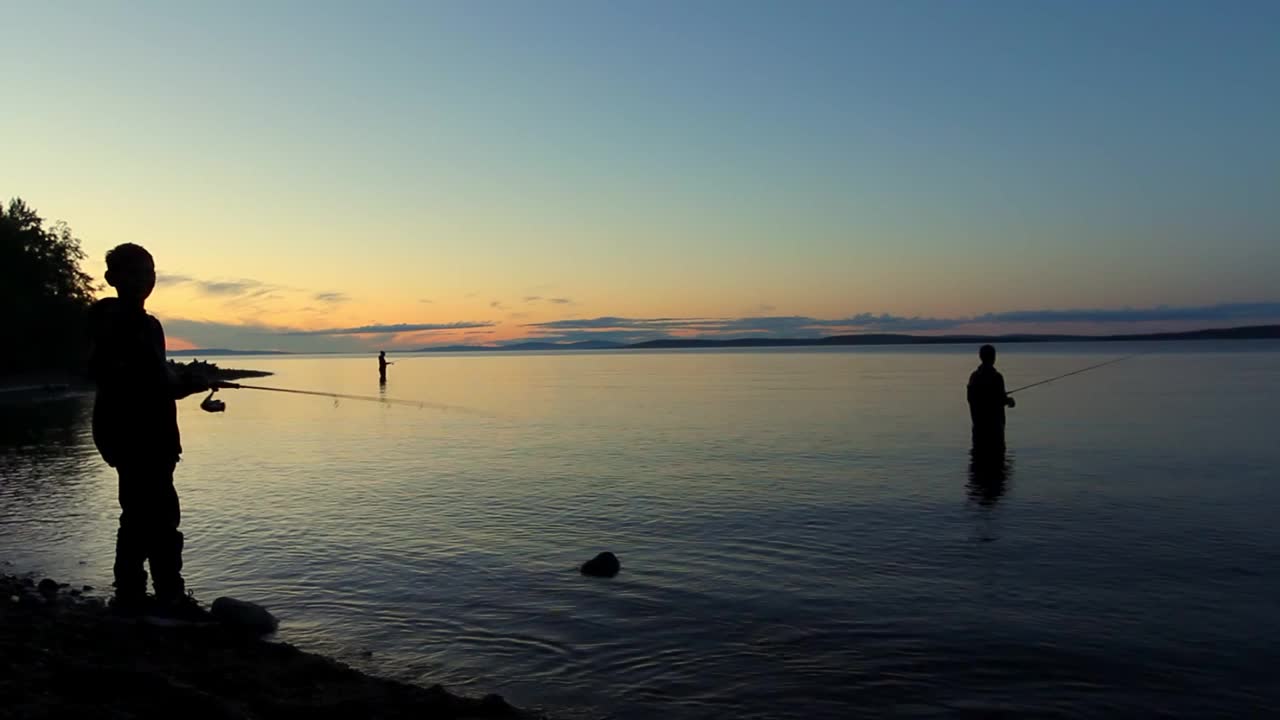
<point x="299" y="168"/>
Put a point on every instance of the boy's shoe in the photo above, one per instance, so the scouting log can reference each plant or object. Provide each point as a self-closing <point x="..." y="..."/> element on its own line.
<point x="179" y="610"/>
<point x="131" y="604"/>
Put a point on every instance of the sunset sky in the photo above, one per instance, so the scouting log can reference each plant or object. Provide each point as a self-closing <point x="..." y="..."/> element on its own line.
<point x="348" y="176"/>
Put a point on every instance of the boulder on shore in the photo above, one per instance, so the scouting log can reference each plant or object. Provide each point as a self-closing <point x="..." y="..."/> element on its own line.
<point x="244" y="614"/>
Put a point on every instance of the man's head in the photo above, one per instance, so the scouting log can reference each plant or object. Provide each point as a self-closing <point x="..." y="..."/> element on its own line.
<point x="382" y="353"/>
<point x="131" y="271"/>
<point x="987" y="353"/>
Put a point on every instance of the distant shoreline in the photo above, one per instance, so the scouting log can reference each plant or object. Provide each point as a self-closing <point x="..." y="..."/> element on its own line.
<point x="1258" y="332"/>
<point x="233" y="374"/>
<point x="1252" y="332"/>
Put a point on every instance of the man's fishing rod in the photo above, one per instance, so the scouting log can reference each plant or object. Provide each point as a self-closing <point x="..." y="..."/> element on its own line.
<point x="1073" y="372"/>
<point x="340" y="396"/>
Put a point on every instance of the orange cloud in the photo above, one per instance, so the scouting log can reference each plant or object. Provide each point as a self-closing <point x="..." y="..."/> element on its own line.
<point x="177" y="343"/>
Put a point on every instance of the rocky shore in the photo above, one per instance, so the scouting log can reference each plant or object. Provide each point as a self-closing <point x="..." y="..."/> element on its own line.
<point x="63" y="654"/>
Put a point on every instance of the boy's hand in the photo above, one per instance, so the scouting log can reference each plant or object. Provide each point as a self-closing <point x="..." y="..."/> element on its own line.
<point x="196" y="384"/>
<point x="189" y="384"/>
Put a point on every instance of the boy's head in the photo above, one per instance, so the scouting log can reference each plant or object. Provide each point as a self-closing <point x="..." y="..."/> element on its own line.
<point x="131" y="271"/>
<point x="987" y="354"/>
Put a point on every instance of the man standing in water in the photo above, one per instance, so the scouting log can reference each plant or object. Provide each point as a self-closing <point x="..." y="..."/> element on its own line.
<point x="135" y="426"/>
<point x="382" y="366"/>
<point x="987" y="401"/>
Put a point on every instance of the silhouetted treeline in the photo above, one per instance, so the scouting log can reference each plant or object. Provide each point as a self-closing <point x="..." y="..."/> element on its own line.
<point x="210" y="371"/>
<point x="43" y="292"/>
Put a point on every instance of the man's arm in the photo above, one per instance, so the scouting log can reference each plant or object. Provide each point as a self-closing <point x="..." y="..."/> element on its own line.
<point x="1008" y="399"/>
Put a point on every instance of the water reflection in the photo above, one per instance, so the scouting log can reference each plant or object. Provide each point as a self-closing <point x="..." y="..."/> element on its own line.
<point x="44" y="426"/>
<point x="47" y="441"/>
<point x="990" y="469"/>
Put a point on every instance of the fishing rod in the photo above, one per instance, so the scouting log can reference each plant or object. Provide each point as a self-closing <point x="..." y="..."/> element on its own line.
<point x="341" y="396"/>
<point x="1073" y="372"/>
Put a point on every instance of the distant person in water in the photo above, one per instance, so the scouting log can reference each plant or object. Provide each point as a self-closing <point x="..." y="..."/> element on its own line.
<point x="987" y="401"/>
<point x="135" y="427"/>
<point x="382" y="366"/>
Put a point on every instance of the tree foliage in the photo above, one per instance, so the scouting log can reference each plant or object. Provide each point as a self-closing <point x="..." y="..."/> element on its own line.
<point x="43" y="292"/>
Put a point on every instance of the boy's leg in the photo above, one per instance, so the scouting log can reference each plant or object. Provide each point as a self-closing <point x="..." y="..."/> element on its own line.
<point x="131" y="538"/>
<point x="164" y="541"/>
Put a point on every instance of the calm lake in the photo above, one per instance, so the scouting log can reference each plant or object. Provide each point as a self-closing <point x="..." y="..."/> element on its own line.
<point x="801" y="531"/>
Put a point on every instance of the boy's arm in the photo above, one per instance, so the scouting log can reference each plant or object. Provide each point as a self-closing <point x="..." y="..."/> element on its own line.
<point x="96" y="361"/>
<point x="186" y="383"/>
<point x="106" y="366"/>
<point x="181" y="384"/>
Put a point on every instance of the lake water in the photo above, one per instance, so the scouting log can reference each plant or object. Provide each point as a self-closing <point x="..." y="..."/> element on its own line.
<point x="800" y="531"/>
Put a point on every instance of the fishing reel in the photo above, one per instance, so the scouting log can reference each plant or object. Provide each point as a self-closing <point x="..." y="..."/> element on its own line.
<point x="212" y="405"/>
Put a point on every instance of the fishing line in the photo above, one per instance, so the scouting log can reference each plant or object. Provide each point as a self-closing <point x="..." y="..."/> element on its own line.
<point x="420" y="404"/>
<point x="342" y="396"/>
<point x="1073" y="372"/>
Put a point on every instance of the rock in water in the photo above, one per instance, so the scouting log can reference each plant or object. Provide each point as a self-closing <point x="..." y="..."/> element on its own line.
<point x="48" y="587"/>
<point x="603" y="565"/>
<point x="244" y="614"/>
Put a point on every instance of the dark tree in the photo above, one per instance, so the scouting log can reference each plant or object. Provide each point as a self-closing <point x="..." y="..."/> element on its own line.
<point x="43" y="292"/>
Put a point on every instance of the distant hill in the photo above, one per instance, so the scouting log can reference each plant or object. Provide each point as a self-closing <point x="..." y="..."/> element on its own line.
<point x="527" y="346"/>
<point x="1252" y="332"/>
<point x="1255" y="332"/>
<point x="222" y="351"/>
